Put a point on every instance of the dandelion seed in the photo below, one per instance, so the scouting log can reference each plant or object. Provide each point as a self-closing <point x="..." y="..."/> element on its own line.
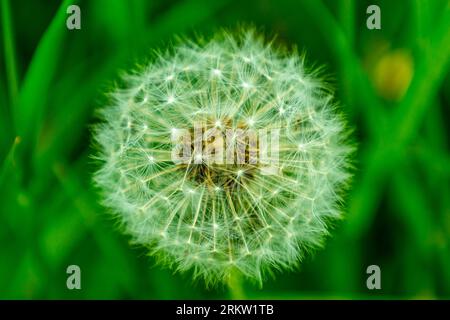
<point x="246" y="85"/>
<point x="170" y="99"/>
<point x="217" y="72"/>
<point x="198" y="158"/>
<point x="301" y="147"/>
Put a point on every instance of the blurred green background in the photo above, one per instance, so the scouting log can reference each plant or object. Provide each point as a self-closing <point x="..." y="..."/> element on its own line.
<point x="394" y="87"/>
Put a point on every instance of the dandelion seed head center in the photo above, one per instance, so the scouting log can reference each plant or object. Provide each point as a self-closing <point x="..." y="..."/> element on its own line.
<point x="232" y="171"/>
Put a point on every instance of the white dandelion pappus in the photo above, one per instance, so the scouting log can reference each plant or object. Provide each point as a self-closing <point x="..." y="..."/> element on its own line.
<point x="211" y="217"/>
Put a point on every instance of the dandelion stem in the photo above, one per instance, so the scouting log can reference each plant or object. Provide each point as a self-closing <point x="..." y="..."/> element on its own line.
<point x="235" y="286"/>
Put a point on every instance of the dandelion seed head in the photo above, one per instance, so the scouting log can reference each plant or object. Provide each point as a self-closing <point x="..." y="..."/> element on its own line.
<point x="215" y="218"/>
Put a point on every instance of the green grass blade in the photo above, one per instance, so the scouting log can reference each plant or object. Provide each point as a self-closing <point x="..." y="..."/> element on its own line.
<point x="10" y="52"/>
<point x="37" y="80"/>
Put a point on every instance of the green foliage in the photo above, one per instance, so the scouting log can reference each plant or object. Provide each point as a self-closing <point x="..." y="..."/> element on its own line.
<point x="394" y="87"/>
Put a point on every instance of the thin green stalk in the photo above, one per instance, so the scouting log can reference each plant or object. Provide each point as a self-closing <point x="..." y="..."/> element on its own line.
<point x="347" y="19"/>
<point x="235" y="286"/>
<point x="37" y="80"/>
<point x="10" y="54"/>
<point x="9" y="163"/>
